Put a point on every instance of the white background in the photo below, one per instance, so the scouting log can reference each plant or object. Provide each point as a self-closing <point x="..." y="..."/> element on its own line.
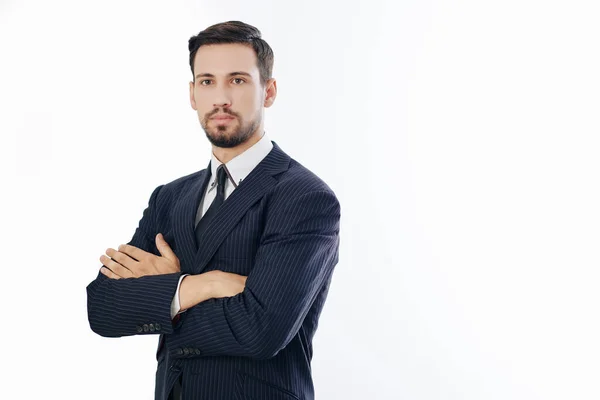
<point x="462" y="140"/>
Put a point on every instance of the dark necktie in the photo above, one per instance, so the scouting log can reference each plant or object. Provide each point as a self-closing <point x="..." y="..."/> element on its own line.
<point x="214" y="206"/>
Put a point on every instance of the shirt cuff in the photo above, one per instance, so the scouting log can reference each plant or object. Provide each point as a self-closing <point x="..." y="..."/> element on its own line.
<point x="175" y="305"/>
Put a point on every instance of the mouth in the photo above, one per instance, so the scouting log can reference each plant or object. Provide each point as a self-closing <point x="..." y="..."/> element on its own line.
<point x="223" y="117"/>
<point x="222" y="121"/>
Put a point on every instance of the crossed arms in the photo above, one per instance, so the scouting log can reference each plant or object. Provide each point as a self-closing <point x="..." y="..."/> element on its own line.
<point x="227" y="314"/>
<point x="131" y="262"/>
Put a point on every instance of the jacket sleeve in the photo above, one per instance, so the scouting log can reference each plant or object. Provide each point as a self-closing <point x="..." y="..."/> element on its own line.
<point x="296" y="257"/>
<point x="130" y="306"/>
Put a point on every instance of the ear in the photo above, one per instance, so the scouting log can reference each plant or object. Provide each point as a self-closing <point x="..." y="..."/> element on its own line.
<point x="271" y="92"/>
<point x="192" y="99"/>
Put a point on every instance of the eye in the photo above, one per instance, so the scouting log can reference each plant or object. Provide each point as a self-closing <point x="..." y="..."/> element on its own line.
<point x="239" y="79"/>
<point x="205" y="80"/>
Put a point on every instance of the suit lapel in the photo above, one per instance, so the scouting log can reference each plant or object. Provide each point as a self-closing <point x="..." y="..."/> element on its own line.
<point x="258" y="183"/>
<point x="184" y="215"/>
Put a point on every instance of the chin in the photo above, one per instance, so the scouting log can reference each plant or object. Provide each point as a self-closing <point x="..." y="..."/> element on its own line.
<point x="225" y="140"/>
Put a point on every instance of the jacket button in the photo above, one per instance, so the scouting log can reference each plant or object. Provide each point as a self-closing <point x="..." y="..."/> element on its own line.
<point x="186" y="351"/>
<point x="139" y="328"/>
<point x="145" y="327"/>
<point x="179" y="351"/>
<point x="197" y="351"/>
<point x="157" y="326"/>
<point x="151" y="327"/>
<point x="175" y="368"/>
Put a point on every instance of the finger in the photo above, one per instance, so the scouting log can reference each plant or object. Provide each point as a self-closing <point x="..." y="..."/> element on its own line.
<point x="122" y="259"/>
<point x="115" y="267"/>
<point x="133" y="252"/>
<point x="164" y="248"/>
<point x="108" y="273"/>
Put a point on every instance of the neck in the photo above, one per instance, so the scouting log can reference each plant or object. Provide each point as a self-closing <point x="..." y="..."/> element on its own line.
<point x="226" y="154"/>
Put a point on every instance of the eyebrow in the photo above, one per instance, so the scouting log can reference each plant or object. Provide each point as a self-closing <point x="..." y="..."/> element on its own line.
<point x="207" y="75"/>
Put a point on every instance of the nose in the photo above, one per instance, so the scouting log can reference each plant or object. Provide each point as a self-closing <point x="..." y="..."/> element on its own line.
<point x="222" y="104"/>
<point x="222" y="99"/>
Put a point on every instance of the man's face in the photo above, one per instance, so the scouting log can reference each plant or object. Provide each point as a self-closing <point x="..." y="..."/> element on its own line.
<point x="227" y="94"/>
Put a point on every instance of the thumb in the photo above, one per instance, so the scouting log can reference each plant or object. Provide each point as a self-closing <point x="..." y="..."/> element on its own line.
<point x="164" y="248"/>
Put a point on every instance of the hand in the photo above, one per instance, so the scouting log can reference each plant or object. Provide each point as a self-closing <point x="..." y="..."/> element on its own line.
<point x="132" y="262"/>
<point x="226" y="284"/>
<point x="195" y="289"/>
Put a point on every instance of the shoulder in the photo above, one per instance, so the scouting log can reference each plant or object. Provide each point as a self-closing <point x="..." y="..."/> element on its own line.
<point x="181" y="182"/>
<point x="301" y="202"/>
<point x="300" y="187"/>
<point x="166" y="192"/>
<point x="299" y="180"/>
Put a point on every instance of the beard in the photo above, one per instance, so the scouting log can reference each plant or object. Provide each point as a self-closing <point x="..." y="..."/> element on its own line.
<point x="230" y="134"/>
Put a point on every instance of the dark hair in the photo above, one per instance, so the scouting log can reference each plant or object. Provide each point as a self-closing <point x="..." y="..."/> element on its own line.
<point x="235" y="32"/>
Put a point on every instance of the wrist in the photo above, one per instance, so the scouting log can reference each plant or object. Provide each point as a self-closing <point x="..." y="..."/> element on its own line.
<point x="194" y="289"/>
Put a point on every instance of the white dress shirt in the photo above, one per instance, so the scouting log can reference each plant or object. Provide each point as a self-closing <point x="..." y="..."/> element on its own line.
<point x="239" y="167"/>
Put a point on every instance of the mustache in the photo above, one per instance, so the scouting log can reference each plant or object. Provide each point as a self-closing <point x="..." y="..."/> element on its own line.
<point x="228" y="112"/>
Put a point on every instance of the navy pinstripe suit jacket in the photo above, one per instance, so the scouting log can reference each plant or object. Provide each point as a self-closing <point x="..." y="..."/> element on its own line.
<point x="280" y="227"/>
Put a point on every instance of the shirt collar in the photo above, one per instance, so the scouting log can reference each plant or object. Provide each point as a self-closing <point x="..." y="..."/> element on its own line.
<point x="241" y="165"/>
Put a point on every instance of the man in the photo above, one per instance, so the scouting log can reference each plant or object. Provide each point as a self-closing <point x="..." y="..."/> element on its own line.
<point x="230" y="265"/>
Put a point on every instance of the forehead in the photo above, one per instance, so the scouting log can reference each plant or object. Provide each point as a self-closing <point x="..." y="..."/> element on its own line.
<point x="221" y="59"/>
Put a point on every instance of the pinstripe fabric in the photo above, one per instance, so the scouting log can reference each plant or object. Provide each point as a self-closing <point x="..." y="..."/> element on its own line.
<point x="280" y="227"/>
